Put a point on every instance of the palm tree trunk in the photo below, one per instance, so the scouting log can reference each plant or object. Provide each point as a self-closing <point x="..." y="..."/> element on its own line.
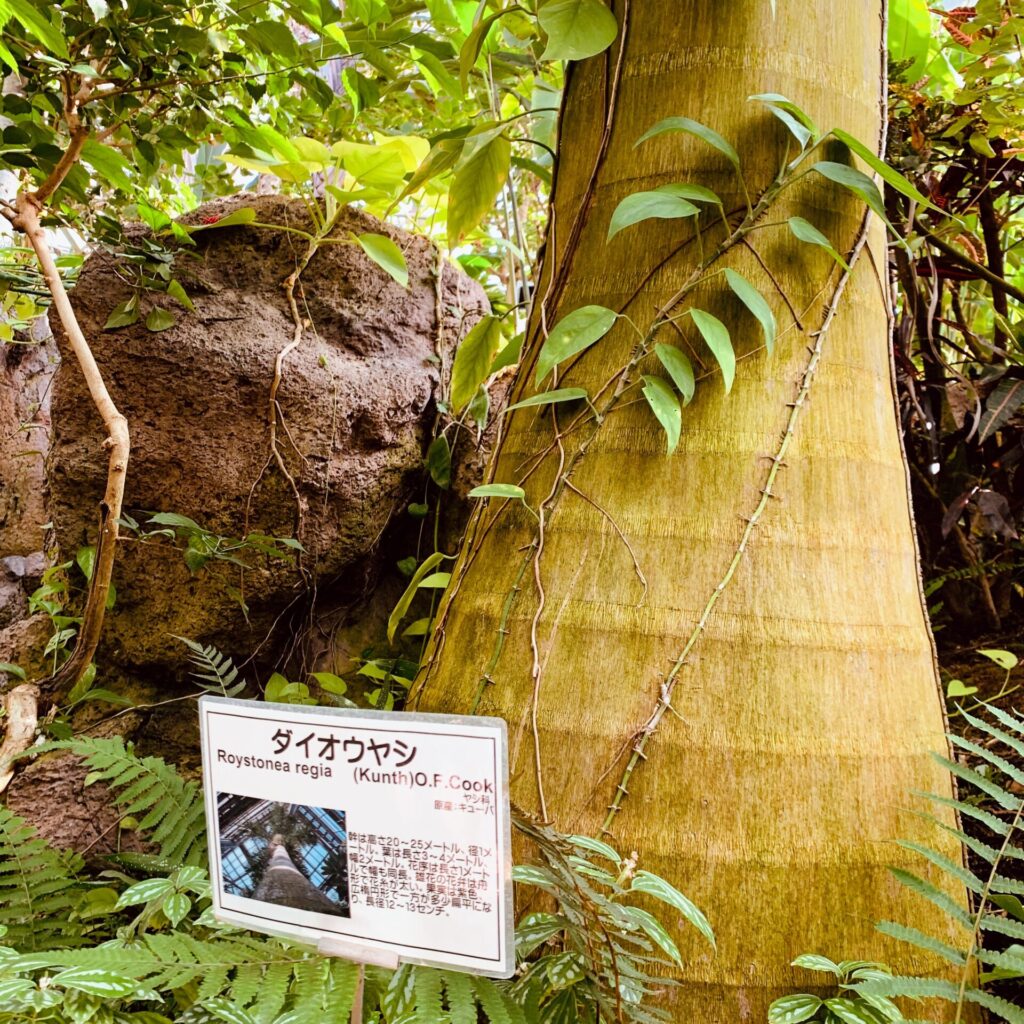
<point x="806" y="704"/>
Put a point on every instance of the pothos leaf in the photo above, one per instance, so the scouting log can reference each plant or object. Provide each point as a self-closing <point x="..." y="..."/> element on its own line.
<point x="477" y="184"/>
<point x="807" y="232"/>
<point x="439" y="462"/>
<point x="549" y="398"/>
<point x="665" y="406"/>
<point x="498" y="491"/>
<point x="386" y="255"/>
<point x="641" y="206"/>
<point x="690" y="127"/>
<point x="716" y="334"/>
<point x="572" y="334"/>
<point x="679" y="368"/>
<point x="473" y="360"/>
<point x="755" y="302"/>
<point x="888" y="174"/>
<point x="398" y="613"/>
<point x="576" y="29"/>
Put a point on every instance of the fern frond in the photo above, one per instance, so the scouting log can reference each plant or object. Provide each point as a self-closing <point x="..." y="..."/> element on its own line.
<point x="935" y="988"/>
<point x="1005" y="800"/>
<point x="943" y="863"/>
<point x="39" y="888"/>
<point x="990" y="757"/>
<point x="458" y="990"/>
<point x="1004" y="737"/>
<point x="933" y="894"/>
<point x="344" y="978"/>
<point x="915" y="937"/>
<point x="965" y="810"/>
<point x="427" y="986"/>
<point x="169" y="808"/>
<point x="214" y="670"/>
<point x="1003" y="926"/>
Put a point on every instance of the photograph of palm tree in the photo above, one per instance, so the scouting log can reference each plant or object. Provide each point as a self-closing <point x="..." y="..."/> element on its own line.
<point x="289" y="854"/>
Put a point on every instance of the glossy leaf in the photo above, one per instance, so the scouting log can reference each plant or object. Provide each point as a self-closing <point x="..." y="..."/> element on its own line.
<point x="641" y="206"/>
<point x="793" y="1009"/>
<point x="716" y="335"/>
<point x="665" y="406"/>
<point x="793" y="117"/>
<point x="654" y="929"/>
<point x="695" y="128"/>
<point x="756" y="303"/>
<point x="498" y="491"/>
<point x="576" y="29"/>
<point x="573" y="334"/>
<point x="888" y="174"/>
<point x="398" y="612"/>
<point x="383" y="251"/>
<point x="678" y="366"/>
<point x="439" y="462"/>
<point x="807" y="232"/>
<point x="473" y="360"/>
<point x="476" y="186"/>
<point x="550" y="398"/>
<point x="856" y="181"/>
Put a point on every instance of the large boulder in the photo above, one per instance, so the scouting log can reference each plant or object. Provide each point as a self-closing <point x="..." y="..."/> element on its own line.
<point x="356" y="405"/>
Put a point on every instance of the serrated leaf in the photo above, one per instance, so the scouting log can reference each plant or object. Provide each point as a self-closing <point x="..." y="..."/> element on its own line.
<point x="807" y="232"/>
<point x="690" y="127"/>
<point x="641" y="206"/>
<point x="473" y="361"/>
<point x="665" y="406"/>
<point x="756" y="303"/>
<point x="573" y="334"/>
<point x="386" y="254"/>
<point x="576" y="29"/>
<point x="716" y="334"/>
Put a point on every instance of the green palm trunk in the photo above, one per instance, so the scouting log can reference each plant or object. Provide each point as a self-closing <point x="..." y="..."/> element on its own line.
<point x="807" y="702"/>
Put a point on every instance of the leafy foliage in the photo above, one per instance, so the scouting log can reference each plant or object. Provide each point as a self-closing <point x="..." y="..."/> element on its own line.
<point x="215" y="671"/>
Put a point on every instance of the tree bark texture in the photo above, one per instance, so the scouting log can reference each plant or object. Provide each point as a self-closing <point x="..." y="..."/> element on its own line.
<point x="806" y="708"/>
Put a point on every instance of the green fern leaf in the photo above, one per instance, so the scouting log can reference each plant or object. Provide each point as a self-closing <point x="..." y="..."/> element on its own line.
<point x="1004" y="737"/>
<point x="427" y="986"/>
<point x="935" y="895"/>
<point x="308" y="990"/>
<point x="918" y="938"/>
<point x="1002" y="926"/>
<point x="344" y="979"/>
<point x="39" y="890"/>
<point x="991" y="757"/>
<point x="273" y="992"/>
<point x="215" y="671"/>
<point x="1005" y="800"/>
<point x="460" y="998"/>
<point x="492" y="1000"/>
<point x="966" y="810"/>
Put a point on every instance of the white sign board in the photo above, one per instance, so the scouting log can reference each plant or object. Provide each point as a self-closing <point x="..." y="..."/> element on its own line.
<point x="386" y="831"/>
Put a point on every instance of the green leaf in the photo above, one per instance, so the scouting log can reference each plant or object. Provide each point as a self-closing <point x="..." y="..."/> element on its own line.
<point x="793" y="1009"/>
<point x="888" y="174"/>
<point x="716" y="334"/>
<point x="436" y="581"/>
<point x="1002" y="402"/>
<point x="807" y="232"/>
<point x="655" y="929"/>
<point x="330" y="683"/>
<point x="9" y="668"/>
<point x="473" y="360"/>
<point x="498" y="491"/>
<point x="679" y="368"/>
<point x="576" y="29"/>
<point x="665" y="406"/>
<point x="814" y="962"/>
<point x="652" y="885"/>
<point x="549" y="398"/>
<point x="398" y="612"/>
<point x="957" y="688"/>
<point x="85" y="559"/>
<point x="535" y="929"/>
<point x="1004" y="659"/>
<point x="857" y="182"/>
<point x="439" y="462"/>
<point x="108" y="163"/>
<point x="386" y="255"/>
<point x="39" y="26"/>
<point x="246" y="215"/>
<point x="572" y="334"/>
<point x="159" y="319"/>
<point x="756" y="303"/>
<point x="476" y="186"/>
<point x="698" y="193"/>
<point x="143" y="892"/>
<point x="175" y="290"/>
<point x="691" y="127"/>
<point x="602" y="849"/>
<point x="792" y="116"/>
<point x="225" y="1010"/>
<point x="847" y="1011"/>
<point x="509" y="355"/>
<point x="176" y="906"/>
<point x="470" y="51"/>
<point x="641" y="206"/>
<point x="421" y="627"/>
<point x="123" y="315"/>
<point x="97" y="982"/>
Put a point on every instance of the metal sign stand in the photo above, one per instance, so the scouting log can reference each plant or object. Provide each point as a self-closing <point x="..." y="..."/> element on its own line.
<point x="362" y="955"/>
